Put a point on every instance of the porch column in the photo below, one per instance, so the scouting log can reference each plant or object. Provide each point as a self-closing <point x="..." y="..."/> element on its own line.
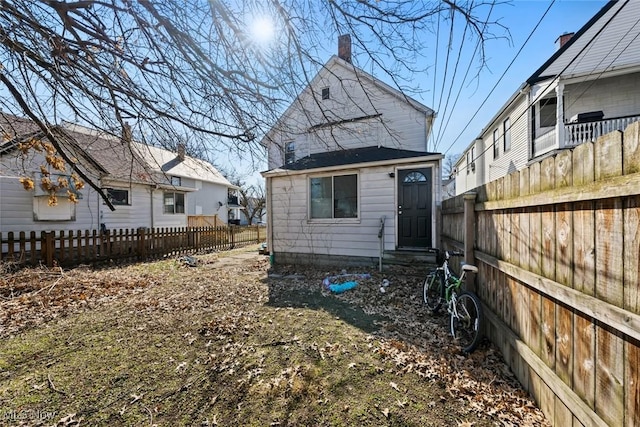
<point x="560" y="116"/>
<point x="470" y="235"/>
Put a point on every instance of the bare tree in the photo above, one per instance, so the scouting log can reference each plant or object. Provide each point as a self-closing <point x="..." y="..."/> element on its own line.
<point x="191" y="70"/>
<point x="449" y="165"/>
<point x="253" y="202"/>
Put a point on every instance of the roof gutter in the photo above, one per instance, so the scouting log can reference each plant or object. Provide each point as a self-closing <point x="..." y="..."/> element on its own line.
<point x="394" y="162"/>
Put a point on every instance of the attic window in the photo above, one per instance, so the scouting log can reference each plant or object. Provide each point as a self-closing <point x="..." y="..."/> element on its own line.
<point x="325" y="93"/>
<point x="289" y="153"/>
<point x="176" y="181"/>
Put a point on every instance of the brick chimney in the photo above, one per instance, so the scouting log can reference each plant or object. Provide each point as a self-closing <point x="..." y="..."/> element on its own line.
<point x="344" y="47"/>
<point x="181" y="150"/>
<point x="563" y="39"/>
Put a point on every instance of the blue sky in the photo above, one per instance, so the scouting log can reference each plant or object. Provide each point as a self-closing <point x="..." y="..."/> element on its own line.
<point x="520" y="17"/>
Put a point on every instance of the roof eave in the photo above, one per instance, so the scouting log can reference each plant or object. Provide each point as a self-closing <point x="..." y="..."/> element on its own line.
<point x="391" y="162"/>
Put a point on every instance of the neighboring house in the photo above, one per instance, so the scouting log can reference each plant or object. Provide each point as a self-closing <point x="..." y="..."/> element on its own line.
<point x="148" y="186"/>
<point x="348" y="155"/>
<point x="589" y="87"/>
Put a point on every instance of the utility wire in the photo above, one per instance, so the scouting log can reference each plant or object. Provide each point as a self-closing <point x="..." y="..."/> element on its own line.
<point x="577" y="56"/>
<point x="464" y="79"/>
<point x="501" y="77"/>
<point x="453" y="78"/>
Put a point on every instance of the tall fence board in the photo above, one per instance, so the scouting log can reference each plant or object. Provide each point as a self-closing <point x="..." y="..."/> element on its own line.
<point x="558" y="250"/>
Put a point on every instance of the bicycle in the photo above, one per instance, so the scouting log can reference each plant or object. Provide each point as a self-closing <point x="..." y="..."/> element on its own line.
<point x="442" y="287"/>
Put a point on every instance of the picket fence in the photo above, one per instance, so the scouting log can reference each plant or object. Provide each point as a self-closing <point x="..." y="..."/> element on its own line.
<point x="71" y="248"/>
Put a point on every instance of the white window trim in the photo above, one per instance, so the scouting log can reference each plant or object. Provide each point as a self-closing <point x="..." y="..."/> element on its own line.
<point x="355" y="220"/>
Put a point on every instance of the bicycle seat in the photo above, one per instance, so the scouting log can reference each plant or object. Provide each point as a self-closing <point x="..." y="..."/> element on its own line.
<point x="469" y="267"/>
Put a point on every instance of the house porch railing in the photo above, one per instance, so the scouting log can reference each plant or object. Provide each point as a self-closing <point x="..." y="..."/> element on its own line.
<point x="578" y="133"/>
<point x="69" y="248"/>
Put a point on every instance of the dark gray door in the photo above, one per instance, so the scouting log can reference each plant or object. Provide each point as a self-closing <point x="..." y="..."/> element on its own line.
<point x="414" y="207"/>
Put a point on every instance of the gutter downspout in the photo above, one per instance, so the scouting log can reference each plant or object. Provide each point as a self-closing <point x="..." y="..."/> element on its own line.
<point x="270" y="220"/>
<point x="152" y="219"/>
<point x="381" y="238"/>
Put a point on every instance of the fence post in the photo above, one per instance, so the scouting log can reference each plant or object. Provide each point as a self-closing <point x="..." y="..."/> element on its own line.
<point x="48" y="246"/>
<point x="258" y="229"/>
<point x="142" y="244"/>
<point x="469" y="235"/>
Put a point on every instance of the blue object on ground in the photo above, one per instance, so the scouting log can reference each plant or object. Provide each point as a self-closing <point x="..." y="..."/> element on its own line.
<point x="342" y="287"/>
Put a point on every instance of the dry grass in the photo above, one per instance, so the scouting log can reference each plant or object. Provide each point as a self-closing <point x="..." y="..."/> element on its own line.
<point x="224" y="344"/>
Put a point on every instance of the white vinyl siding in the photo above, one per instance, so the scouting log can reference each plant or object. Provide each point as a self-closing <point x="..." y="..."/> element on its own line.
<point x="350" y="118"/>
<point x="17" y="208"/>
<point x="518" y="155"/>
<point x="294" y="232"/>
<point x="135" y="215"/>
<point x="615" y="96"/>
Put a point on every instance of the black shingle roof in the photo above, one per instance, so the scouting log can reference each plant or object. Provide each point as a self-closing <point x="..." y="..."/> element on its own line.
<point x="353" y="156"/>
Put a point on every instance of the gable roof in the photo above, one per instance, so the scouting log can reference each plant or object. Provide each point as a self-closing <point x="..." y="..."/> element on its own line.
<point x="354" y="156"/>
<point x="144" y="163"/>
<point x="336" y="61"/>
<point x="608" y="40"/>
<point x="167" y="162"/>
<point x="16" y="130"/>
<point x="109" y="156"/>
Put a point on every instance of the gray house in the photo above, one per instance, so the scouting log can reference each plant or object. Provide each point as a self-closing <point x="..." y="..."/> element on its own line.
<point x="589" y="87"/>
<point x="148" y="186"/>
<point x="349" y="173"/>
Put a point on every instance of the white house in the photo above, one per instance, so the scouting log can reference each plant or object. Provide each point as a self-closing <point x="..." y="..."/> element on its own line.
<point x="349" y="172"/>
<point x="589" y="87"/>
<point x="148" y="186"/>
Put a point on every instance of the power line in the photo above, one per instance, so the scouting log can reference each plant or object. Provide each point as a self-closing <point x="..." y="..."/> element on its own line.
<point x="576" y="57"/>
<point x="501" y="77"/>
<point x="443" y="129"/>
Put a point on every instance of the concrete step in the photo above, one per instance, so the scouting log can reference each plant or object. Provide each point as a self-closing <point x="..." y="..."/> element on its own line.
<point x="410" y="258"/>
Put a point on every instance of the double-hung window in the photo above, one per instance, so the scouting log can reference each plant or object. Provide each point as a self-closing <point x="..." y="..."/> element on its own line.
<point x="496" y="148"/>
<point x="173" y="203"/>
<point x="333" y="197"/>
<point x="506" y="134"/>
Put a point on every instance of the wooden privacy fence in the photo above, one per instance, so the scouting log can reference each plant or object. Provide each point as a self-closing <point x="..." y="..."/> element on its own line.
<point x="72" y="248"/>
<point x="558" y="250"/>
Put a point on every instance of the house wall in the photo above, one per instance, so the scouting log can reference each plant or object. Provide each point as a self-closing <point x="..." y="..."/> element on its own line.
<point x="292" y="232"/>
<point x="400" y="125"/>
<point x="136" y="214"/>
<point x="616" y="96"/>
<point x="17" y="209"/>
<point x="206" y="201"/>
<point x="515" y="158"/>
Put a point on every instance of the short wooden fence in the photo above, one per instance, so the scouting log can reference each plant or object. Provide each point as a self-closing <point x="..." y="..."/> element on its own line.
<point x="129" y="245"/>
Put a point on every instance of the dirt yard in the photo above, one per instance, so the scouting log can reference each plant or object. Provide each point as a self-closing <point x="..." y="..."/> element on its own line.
<point x="232" y="342"/>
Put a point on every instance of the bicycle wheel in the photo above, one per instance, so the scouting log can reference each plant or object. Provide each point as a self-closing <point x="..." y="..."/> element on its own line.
<point x="432" y="291"/>
<point x="466" y="327"/>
